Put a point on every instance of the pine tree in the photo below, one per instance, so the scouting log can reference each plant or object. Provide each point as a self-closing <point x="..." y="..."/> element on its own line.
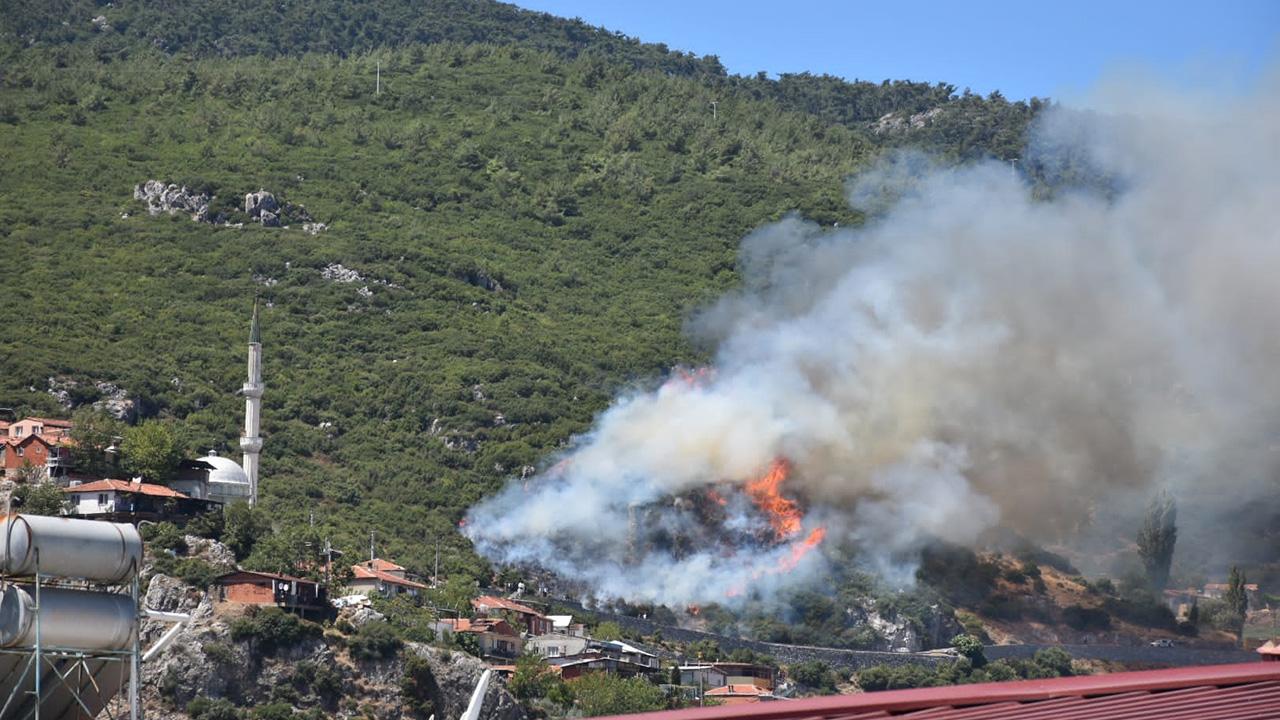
<point x="1156" y="539"/>
<point x="1237" y="599"/>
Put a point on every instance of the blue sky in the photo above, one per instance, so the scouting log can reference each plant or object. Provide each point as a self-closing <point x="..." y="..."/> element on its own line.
<point x="1024" y="49"/>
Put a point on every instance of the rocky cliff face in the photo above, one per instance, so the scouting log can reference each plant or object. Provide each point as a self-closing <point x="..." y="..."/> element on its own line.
<point x="901" y="633"/>
<point x="315" y="674"/>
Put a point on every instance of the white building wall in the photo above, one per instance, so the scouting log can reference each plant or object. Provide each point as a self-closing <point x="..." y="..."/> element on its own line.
<point x="93" y="503"/>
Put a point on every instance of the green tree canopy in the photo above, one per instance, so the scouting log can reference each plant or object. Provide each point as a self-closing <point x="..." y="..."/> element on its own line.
<point x="971" y="647"/>
<point x="604" y="694"/>
<point x="93" y="433"/>
<point x="153" y="450"/>
<point x="41" y="498"/>
<point x="1237" y="598"/>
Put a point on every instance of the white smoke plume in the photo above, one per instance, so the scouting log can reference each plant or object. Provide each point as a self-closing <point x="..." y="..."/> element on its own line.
<point x="975" y="354"/>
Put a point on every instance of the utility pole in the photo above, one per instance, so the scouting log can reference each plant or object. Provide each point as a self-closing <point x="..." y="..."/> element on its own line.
<point x="714" y="103"/>
<point x="328" y="561"/>
<point x="435" y="577"/>
<point x="371" y="555"/>
<point x="378" y="86"/>
<point x="1013" y="167"/>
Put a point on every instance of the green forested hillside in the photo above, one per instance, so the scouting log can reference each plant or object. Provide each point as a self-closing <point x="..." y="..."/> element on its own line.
<point x="532" y="220"/>
<point x="961" y="125"/>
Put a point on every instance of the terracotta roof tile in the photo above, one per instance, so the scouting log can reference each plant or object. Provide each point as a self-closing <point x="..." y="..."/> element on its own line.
<point x="491" y="602"/>
<point x="381" y="565"/>
<point x="124" y="486"/>
<point x="362" y="572"/>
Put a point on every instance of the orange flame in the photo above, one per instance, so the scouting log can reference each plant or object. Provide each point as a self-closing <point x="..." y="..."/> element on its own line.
<point x="802" y="548"/>
<point x="696" y="377"/>
<point x="784" y="517"/>
<point x="716" y="497"/>
<point x="694" y="610"/>
<point x="789" y="562"/>
<point x="765" y="491"/>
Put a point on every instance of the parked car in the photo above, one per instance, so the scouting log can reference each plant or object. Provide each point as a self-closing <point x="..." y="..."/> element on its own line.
<point x="1162" y="642"/>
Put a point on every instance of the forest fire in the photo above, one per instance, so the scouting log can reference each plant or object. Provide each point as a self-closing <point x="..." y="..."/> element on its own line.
<point x="784" y="517"/>
<point x="802" y="548"/>
<point x="765" y="491"/>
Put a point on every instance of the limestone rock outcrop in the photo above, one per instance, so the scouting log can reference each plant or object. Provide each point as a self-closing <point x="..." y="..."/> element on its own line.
<point x="171" y="198"/>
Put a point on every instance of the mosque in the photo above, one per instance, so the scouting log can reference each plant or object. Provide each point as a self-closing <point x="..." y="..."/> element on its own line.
<point x="221" y="479"/>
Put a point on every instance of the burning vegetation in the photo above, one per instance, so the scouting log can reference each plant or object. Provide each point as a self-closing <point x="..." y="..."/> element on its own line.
<point x="979" y="353"/>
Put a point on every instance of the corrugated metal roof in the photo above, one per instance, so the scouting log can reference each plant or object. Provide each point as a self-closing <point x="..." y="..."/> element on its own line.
<point x="1206" y="692"/>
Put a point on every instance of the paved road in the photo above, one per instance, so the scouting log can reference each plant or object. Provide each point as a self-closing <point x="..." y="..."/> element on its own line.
<point x="857" y="659"/>
<point x="1131" y="654"/>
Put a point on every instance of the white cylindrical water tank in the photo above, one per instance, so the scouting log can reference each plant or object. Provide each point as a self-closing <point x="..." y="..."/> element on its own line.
<point x="69" y="619"/>
<point x="89" y="549"/>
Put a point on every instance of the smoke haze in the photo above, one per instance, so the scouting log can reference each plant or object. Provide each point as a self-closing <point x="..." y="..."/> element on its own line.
<point x="972" y="356"/>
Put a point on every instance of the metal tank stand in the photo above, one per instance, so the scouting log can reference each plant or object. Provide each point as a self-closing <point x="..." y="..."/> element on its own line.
<point x="70" y="680"/>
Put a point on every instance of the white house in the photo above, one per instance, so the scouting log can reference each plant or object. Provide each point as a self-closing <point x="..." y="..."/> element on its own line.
<point x="555" y="645"/>
<point x="114" y="498"/>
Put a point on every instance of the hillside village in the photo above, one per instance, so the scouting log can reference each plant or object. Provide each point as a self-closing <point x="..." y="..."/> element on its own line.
<point x="459" y="234"/>
<point x="41" y="455"/>
<point x="519" y="637"/>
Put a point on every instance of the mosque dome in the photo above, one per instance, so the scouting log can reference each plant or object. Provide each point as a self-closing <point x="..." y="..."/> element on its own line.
<point x="225" y="470"/>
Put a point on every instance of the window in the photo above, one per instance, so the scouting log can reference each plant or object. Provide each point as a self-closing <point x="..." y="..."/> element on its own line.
<point x="17" y="431"/>
<point x="553" y="651"/>
<point x="102" y="499"/>
<point x="38" y="430"/>
<point x="75" y="499"/>
<point x="21" y="451"/>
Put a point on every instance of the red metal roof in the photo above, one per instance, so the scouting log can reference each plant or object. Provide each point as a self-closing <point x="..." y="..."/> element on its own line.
<point x="1208" y="692"/>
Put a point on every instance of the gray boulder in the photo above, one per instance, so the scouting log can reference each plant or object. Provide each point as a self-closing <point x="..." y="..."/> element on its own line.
<point x="171" y="198"/>
<point x="256" y="203"/>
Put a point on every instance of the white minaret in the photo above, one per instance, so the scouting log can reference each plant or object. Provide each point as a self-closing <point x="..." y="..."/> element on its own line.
<point x="251" y="442"/>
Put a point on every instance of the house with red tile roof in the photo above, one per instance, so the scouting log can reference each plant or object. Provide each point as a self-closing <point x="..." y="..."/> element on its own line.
<point x="130" y="501"/>
<point x="495" y="636"/>
<point x="40" y="443"/>
<point x="383" y="578"/>
<point x="534" y="622"/>
<point x="49" y="428"/>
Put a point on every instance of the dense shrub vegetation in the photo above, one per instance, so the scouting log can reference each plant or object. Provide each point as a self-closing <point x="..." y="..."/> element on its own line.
<point x="532" y="207"/>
